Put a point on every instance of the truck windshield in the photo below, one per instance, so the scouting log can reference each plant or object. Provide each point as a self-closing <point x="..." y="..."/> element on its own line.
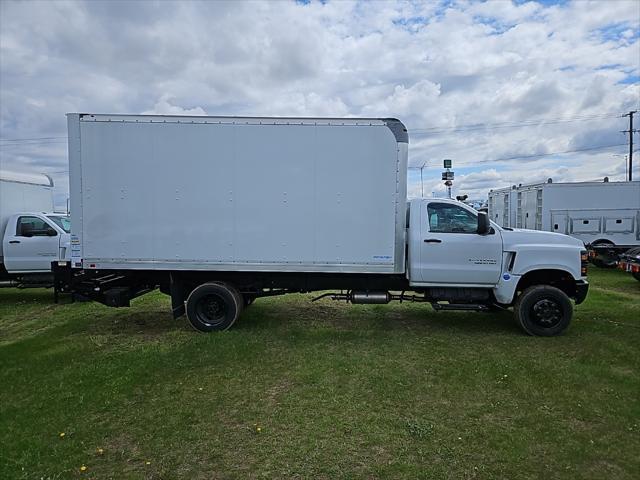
<point x="63" y="222"/>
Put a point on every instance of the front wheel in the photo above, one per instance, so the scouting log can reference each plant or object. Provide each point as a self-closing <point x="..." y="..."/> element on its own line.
<point x="214" y="307"/>
<point x="543" y="310"/>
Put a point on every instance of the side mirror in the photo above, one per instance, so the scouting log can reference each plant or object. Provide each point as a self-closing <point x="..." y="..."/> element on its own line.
<point x="51" y="232"/>
<point x="483" y="223"/>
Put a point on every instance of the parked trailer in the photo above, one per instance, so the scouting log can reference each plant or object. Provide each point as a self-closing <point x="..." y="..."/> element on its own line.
<point x="603" y="215"/>
<point x="630" y="262"/>
<point x="219" y="211"/>
<point x="31" y="236"/>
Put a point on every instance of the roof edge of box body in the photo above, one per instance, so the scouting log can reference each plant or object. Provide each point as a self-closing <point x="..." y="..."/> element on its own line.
<point x="398" y="129"/>
<point x="396" y="126"/>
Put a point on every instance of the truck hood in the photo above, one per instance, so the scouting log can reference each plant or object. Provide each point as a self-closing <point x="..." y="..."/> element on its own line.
<point x="520" y="236"/>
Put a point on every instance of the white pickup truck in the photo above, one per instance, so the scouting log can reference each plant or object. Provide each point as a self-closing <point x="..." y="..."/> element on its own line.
<point x="219" y="211"/>
<point x="32" y="237"/>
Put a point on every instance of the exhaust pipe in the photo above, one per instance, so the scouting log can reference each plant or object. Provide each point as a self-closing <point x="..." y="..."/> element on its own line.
<point x="370" y="297"/>
<point x="364" y="297"/>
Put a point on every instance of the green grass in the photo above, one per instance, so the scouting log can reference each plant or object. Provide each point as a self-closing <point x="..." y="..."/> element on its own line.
<point x="337" y="391"/>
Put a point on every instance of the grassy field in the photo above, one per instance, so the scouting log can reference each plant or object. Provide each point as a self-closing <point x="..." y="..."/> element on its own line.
<point x="322" y="390"/>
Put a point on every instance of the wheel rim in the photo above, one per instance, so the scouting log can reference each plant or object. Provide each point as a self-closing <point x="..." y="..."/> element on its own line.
<point x="546" y="313"/>
<point x="211" y="310"/>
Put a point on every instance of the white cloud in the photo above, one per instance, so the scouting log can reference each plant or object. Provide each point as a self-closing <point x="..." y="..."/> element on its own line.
<point x="165" y="106"/>
<point x="434" y="65"/>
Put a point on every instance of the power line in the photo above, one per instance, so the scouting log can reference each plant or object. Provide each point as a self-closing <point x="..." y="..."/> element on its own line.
<point x="531" y="121"/>
<point x="517" y="157"/>
<point x="473" y="126"/>
<point x="524" y="123"/>
<point x="29" y="139"/>
<point x="34" y="144"/>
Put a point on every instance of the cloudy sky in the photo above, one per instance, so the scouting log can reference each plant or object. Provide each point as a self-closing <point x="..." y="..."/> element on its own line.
<point x="513" y="92"/>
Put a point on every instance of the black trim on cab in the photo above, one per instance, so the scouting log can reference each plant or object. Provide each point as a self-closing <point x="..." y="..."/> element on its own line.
<point x="582" y="288"/>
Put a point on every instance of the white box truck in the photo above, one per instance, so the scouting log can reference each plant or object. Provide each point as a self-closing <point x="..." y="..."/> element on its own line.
<point x="219" y="211"/>
<point x="605" y="216"/>
<point x="32" y="235"/>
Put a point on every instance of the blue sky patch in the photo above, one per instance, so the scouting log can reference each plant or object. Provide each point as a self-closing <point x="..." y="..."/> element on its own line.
<point x="411" y="23"/>
<point x="498" y="28"/>
<point x="617" y="31"/>
<point x="546" y="3"/>
<point x="631" y="79"/>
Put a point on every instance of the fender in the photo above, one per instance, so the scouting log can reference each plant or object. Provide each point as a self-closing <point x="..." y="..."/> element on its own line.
<point x="547" y="257"/>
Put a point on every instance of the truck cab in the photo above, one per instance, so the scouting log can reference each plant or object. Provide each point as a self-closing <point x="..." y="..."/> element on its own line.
<point x="450" y="251"/>
<point x="31" y="241"/>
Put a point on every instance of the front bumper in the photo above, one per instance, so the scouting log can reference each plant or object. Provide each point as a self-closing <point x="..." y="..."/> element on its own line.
<point x="582" y="287"/>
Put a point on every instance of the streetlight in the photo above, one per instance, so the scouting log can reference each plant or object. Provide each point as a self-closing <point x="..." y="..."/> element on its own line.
<point x="421" y="180"/>
<point x="447" y="175"/>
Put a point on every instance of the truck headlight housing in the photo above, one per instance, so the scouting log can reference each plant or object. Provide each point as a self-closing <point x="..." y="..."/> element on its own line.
<point x="584" y="262"/>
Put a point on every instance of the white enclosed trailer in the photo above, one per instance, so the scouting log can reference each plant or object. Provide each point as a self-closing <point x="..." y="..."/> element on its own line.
<point x="600" y="214"/>
<point x="219" y="211"/>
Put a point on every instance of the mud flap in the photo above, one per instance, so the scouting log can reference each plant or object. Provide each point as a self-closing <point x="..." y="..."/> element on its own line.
<point x="178" y="295"/>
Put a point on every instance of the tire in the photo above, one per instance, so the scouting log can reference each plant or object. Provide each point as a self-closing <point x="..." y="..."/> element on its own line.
<point x="636" y="275"/>
<point x="606" y="256"/>
<point x="214" y="307"/>
<point x="543" y="311"/>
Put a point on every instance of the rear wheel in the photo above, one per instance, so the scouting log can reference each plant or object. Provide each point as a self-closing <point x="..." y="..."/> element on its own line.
<point x="543" y="310"/>
<point x="605" y="254"/>
<point x="636" y="275"/>
<point x="214" y="307"/>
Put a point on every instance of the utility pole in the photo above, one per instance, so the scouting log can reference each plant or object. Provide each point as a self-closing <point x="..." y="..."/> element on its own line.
<point x="631" y="131"/>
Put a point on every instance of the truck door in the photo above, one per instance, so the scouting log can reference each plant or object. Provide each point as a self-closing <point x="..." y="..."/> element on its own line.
<point x="559" y="222"/>
<point x="451" y="250"/>
<point x="31" y="246"/>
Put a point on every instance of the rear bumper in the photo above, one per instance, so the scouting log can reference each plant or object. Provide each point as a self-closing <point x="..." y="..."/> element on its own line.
<point x="631" y="267"/>
<point x="582" y="287"/>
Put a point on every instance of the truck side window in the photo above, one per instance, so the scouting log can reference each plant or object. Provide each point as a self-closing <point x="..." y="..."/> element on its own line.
<point x="32" y="227"/>
<point x="448" y="218"/>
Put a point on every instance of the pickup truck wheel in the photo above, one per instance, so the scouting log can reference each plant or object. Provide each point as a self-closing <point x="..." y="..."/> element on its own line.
<point x="636" y="275"/>
<point x="213" y="307"/>
<point x="543" y="310"/>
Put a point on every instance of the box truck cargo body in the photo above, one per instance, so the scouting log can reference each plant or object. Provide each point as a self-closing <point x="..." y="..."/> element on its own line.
<point x="219" y="211"/>
<point x="311" y="195"/>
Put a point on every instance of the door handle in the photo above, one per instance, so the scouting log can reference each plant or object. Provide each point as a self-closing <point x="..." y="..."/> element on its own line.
<point x="14" y="241"/>
<point x="432" y="240"/>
